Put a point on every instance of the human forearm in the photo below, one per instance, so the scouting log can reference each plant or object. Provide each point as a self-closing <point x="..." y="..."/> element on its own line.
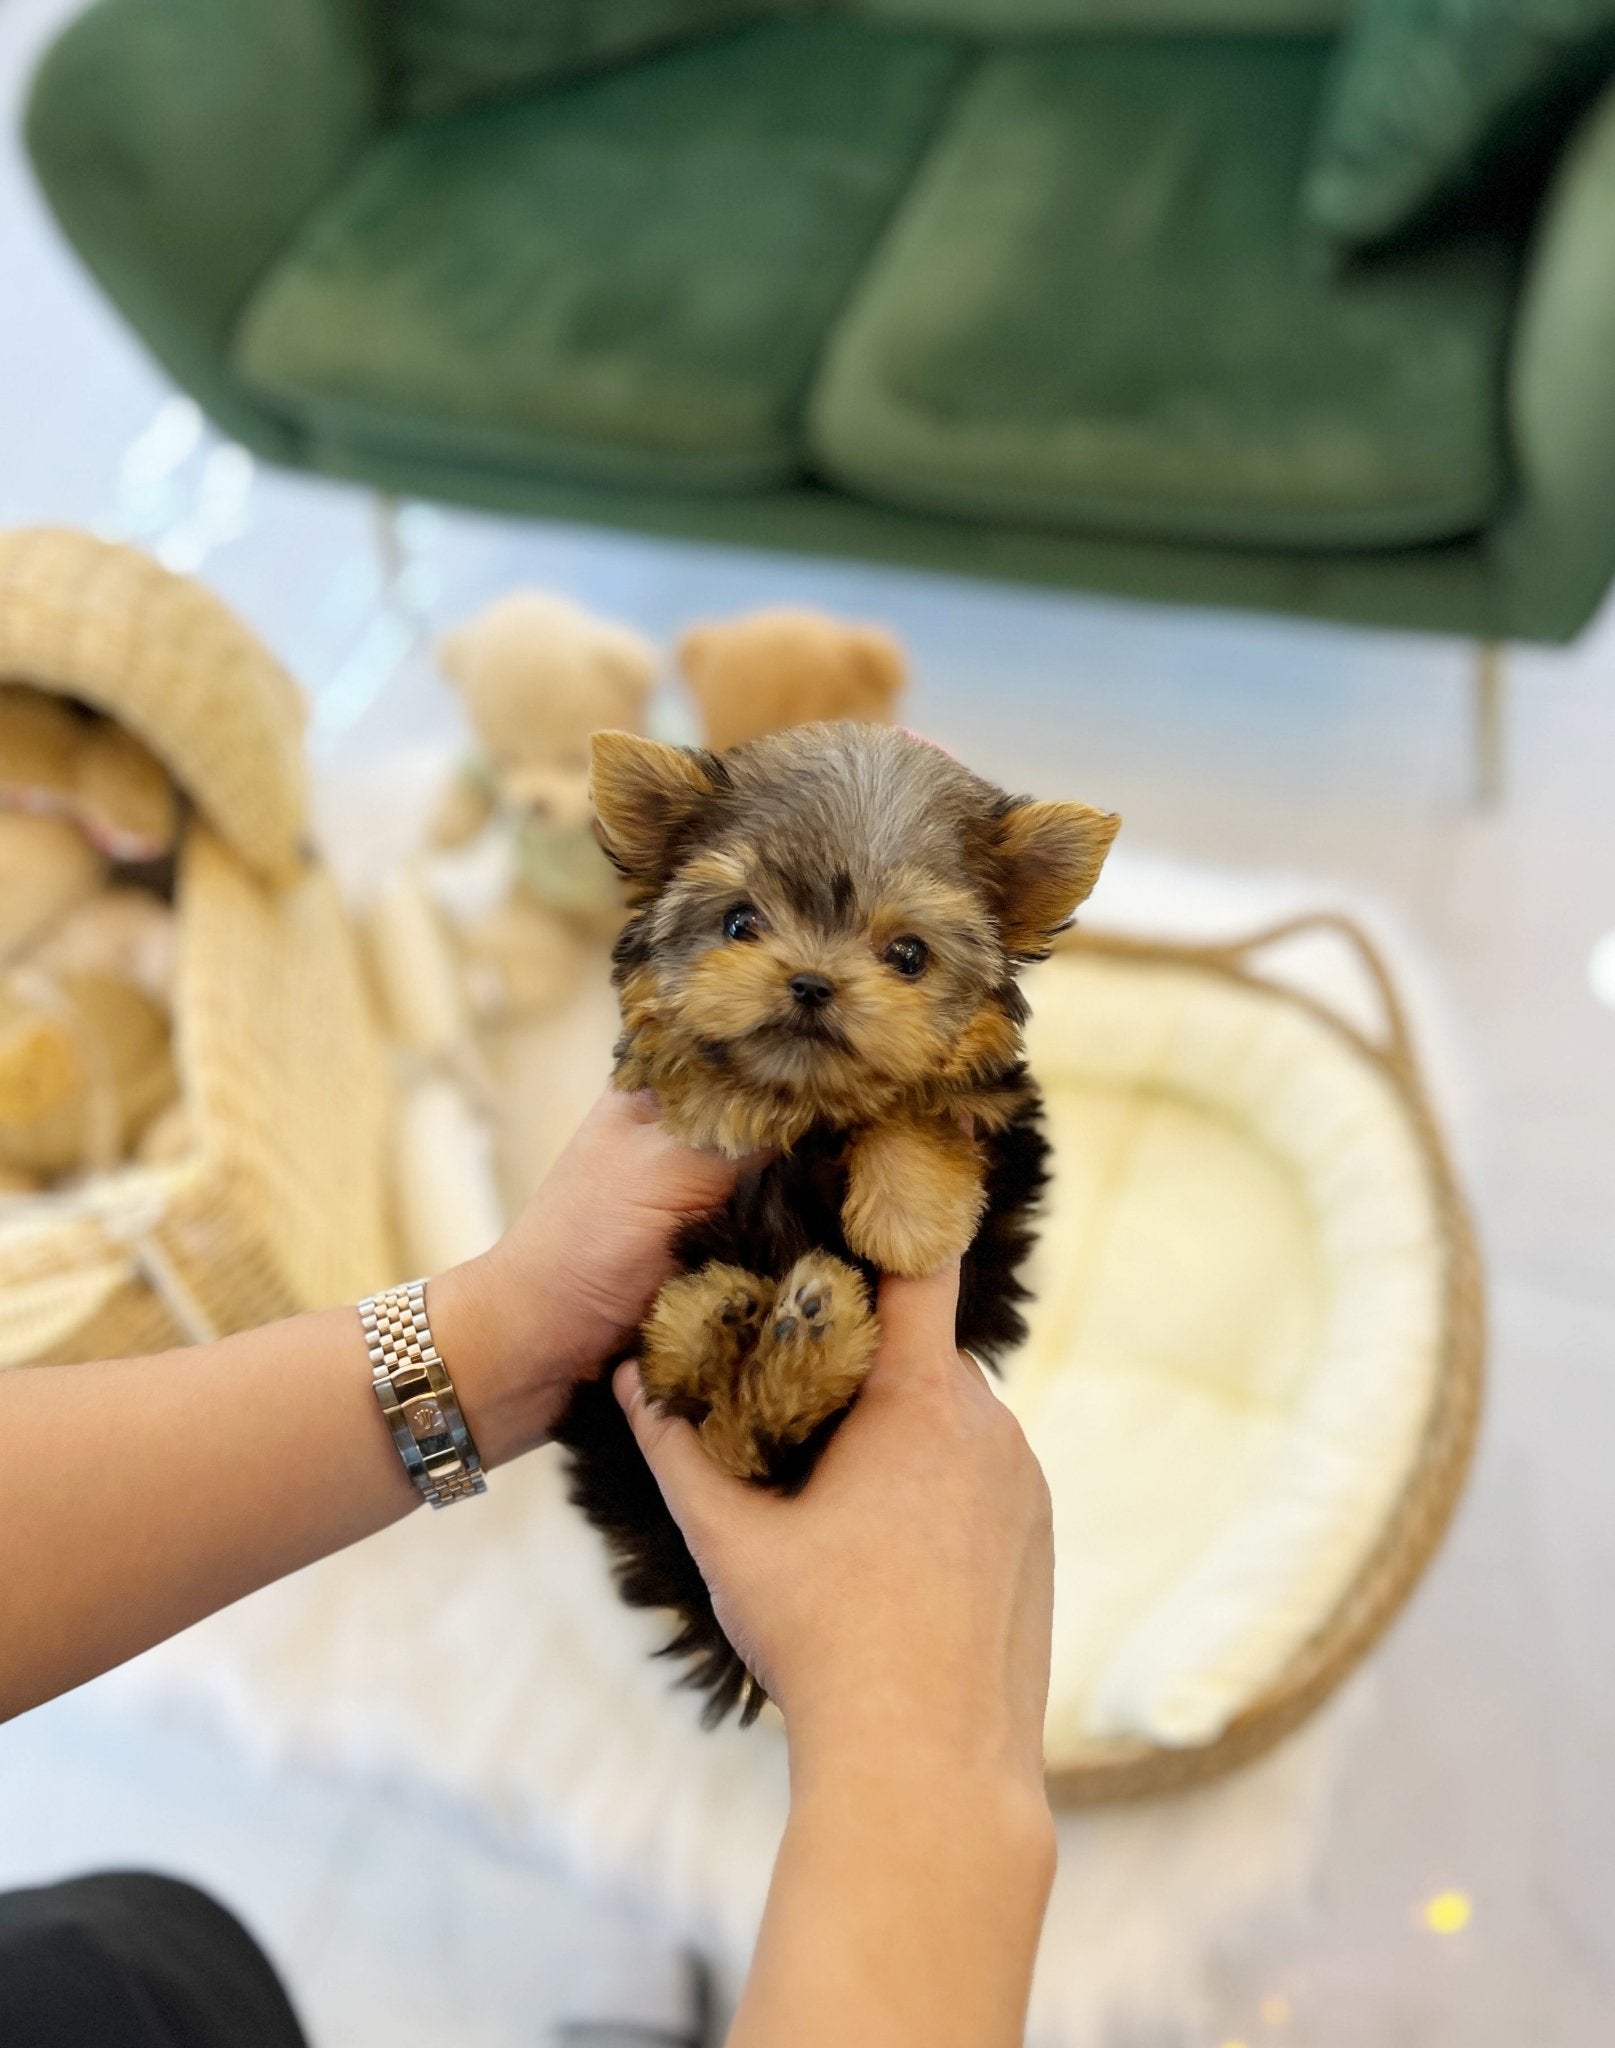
<point x="153" y="1491"/>
<point x="899" y="1611"/>
<point x="141" y="1495"/>
<point x="905" y="1909"/>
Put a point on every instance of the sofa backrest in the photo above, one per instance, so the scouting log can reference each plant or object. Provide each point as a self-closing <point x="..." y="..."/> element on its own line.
<point x="444" y="55"/>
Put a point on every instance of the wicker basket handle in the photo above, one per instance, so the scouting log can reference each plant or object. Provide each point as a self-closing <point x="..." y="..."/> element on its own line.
<point x="1396" y="1042"/>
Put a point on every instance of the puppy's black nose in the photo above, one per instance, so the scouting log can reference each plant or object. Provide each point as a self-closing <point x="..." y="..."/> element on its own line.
<point x="812" y="991"/>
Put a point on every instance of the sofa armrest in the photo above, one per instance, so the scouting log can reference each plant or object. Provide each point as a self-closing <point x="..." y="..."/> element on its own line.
<point x="1556" y="551"/>
<point x="180" y="143"/>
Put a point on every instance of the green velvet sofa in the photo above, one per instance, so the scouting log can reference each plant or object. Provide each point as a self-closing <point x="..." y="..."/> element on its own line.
<point x="1013" y="288"/>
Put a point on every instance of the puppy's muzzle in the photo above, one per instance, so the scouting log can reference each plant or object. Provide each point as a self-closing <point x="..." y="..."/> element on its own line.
<point x="812" y="991"/>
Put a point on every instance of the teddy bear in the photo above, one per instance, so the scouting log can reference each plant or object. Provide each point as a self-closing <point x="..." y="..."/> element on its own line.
<point x="86" y="960"/>
<point x="788" y="666"/>
<point x="85" y="1065"/>
<point x="47" y="867"/>
<point x="517" y="867"/>
<point x="61" y="760"/>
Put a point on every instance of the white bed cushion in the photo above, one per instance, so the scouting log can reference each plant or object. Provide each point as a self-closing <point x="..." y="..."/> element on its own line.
<point x="1235" y="1337"/>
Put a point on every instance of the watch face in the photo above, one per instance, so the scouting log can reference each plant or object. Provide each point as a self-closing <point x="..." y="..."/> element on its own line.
<point x="427" y="1424"/>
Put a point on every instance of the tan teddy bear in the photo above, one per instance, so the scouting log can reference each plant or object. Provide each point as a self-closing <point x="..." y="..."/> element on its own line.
<point x="67" y="762"/>
<point x="530" y="888"/>
<point x="86" y="966"/>
<point x="85" y="1066"/>
<point x="771" y="669"/>
<point x="47" y="867"/>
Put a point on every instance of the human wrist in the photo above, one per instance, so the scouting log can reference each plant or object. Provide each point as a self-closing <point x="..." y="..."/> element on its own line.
<point x="499" y="1345"/>
<point x="902" y="1761"/>
<point x="849" y="1728"/>
<point x="936" y="1805"/>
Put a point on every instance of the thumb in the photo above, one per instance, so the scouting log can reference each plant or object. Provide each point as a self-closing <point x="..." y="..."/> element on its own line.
<point x="693" y="1485"/>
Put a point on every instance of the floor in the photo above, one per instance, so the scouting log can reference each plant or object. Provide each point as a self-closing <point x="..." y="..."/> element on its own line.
<point x="1251" y="743"/>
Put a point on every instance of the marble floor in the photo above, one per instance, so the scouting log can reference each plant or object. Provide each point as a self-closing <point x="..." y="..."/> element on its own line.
<point x="1488" y="1765"/>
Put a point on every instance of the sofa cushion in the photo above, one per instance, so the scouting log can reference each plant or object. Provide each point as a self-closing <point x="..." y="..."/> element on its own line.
<point x="444" y="55"/>
<point x="1092" y="311"/>
<point x="628" y="279"/>
<point x="1427" y="97"/>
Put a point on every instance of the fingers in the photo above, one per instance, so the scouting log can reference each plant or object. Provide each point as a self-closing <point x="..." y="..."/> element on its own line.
<point x="973" y="1365"/>
<point x="917" y="1320"/>
<point x="694" y="1487"/>
<point x="638" y="1106"/>
<point x="663" y="1164"/>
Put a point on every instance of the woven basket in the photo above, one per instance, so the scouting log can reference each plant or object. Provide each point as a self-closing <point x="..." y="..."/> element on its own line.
<point x="281" y="1203"/>
<point x="1104" y="1771"/>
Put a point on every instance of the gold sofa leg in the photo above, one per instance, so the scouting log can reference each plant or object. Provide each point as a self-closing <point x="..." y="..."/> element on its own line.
<point x="1489" y="701"/>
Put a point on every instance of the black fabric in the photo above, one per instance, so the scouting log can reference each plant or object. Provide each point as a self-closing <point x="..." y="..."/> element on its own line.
<point x="124" y="1959"/>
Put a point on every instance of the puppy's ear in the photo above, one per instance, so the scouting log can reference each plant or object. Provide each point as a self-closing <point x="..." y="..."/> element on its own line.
<point x="1048" y="859"/>
<point x="650" y="800"/>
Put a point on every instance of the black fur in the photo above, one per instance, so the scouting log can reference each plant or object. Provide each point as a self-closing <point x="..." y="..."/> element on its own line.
<point x="793" y="1206"/>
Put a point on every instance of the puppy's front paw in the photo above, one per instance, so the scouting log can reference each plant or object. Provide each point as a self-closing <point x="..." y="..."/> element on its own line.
<point x="914" y="1197"/>
<point x="700" y="1330"/>
<point x="815" y="1350"/>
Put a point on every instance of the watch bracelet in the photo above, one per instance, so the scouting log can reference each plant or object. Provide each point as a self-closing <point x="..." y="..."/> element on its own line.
<point x="417" y="1398"/>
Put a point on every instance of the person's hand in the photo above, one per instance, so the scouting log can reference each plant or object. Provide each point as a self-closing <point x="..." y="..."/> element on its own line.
<point x="902" y="1603"/>
<point x="575" y="1273"/>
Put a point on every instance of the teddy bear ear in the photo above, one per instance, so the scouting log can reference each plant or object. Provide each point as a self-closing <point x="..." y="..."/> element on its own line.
<point x="881" y="662"/>
<point x="650" y="800"/>
<point x="631" y="661"/>
<point x="693" y="645"/>
<point x="451" y="651"/>
<point x="1049" y="857"/>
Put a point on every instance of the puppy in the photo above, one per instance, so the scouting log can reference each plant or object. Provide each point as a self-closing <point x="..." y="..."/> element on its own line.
<point x="820" y="964"/>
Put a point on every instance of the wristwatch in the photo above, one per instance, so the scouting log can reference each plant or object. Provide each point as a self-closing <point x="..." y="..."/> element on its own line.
<point x="417" y="1396"/>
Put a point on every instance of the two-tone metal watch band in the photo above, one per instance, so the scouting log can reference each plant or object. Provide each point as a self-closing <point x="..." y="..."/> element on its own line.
<point x="417" y="1396"/>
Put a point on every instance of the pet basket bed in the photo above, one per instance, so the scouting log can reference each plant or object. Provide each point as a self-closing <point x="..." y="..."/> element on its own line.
<point x="1254" y="1370"/>
<point x="279" y="1201"/>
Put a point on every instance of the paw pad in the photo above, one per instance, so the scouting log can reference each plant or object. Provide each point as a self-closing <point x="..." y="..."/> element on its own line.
<point x="810" y="1305"/>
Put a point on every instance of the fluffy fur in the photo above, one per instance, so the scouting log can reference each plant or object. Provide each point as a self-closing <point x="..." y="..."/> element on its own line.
<point x="820" y="963"/>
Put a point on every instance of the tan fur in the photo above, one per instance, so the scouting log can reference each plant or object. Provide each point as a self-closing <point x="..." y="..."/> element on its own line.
<point x="1052" y="854"/>
<point x="813" y="1356"/>
<point x="836" y="844"/>
<point x="700" y="1328"/>
<point x="753" y="1364"/>
<point x="774" y="669"/>
<point x="914" y="1194"/>
<point x="643" y="793"/>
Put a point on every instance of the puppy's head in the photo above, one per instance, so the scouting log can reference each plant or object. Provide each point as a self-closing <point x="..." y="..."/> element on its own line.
<point x="828" y="921"/>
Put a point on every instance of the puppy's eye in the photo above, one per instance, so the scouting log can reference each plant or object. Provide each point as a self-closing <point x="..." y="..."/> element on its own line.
<point x="741" y="921"/>
<point x="908" y="955"/>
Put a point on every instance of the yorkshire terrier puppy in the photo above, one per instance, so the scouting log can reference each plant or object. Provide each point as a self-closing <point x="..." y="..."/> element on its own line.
<point x="820" y="963"/>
